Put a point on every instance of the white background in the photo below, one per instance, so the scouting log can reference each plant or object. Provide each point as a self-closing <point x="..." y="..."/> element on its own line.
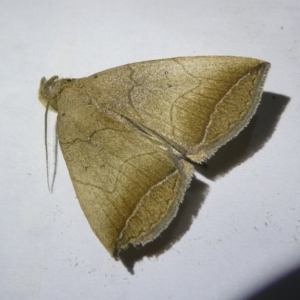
<point x="234" y="234"/>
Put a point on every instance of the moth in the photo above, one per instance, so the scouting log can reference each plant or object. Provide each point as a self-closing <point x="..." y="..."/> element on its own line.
<point x="129" y="134"/>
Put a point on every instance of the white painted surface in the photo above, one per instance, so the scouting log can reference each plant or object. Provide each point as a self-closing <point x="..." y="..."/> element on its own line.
<point x="247" y="230"/>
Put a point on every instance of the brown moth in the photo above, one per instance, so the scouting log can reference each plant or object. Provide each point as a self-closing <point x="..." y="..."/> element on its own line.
<point x="128" y="133"/>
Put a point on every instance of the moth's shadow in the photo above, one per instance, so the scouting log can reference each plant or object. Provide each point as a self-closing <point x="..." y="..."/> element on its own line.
<point x="246" y="144"/>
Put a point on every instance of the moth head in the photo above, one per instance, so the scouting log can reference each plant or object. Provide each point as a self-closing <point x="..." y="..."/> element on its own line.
<point x="49" y="91"/>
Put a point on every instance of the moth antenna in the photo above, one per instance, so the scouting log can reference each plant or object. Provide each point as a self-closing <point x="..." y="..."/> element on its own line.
<point x="50" y="186"/>
<point x="46" y="142"/>
<point x="55" y="158"/>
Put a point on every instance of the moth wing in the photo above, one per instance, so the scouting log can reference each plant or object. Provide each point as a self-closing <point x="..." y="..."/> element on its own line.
<point x="128" y="185"/>
<point x="196" y="104"/>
